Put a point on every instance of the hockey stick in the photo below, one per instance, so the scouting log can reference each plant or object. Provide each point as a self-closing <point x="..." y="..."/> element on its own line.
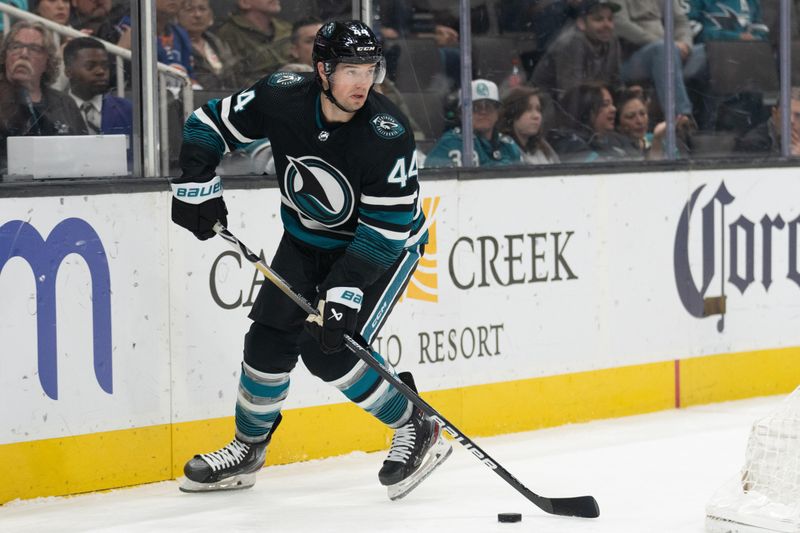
<point x="582" y="506"/>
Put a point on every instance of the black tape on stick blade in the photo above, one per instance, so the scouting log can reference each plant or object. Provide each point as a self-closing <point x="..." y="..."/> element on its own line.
<point x="509" y="517"/>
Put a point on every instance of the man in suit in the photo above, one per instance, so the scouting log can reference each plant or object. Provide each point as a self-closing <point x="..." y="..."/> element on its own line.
<point x="86" y="65"/>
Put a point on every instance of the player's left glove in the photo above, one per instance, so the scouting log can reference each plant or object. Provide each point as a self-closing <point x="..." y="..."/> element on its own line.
<point x="338" y="313"/>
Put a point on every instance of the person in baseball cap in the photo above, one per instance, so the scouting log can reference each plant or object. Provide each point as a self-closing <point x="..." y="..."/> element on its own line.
<point x="490" y="146"/>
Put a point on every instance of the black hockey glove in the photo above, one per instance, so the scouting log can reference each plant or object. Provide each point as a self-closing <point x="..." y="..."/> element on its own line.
<point x="197" y="204"/>
<point x="338" y="313"/>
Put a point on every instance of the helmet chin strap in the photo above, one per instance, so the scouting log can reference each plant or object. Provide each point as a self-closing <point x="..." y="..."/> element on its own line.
<point x="329" y="95"/>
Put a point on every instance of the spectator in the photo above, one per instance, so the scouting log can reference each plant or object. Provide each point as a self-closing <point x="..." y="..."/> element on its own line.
<point x="304" y="32"/>
<point x="93" y="17"/>
<point x="28" y="106"/>
<point x="521" y="119"/>
<point x="586" y="127"/>
<point x="640" y="29"/>
<point x="633" y="120"/>
<point x="212" y="59"/>
<point x="55" y="10"/>
<point x="728" y="20"/>
<point x="258" y="39"/>
<point x="766" y="137"/>
<point x="86" y="66"/>
<point x="174" y="46"/>
<point x="446" y="36"/>
<point x="491" y="147"/>
<point x="585" y="51"/>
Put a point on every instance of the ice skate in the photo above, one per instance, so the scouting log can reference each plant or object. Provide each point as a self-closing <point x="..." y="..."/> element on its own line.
<point x="417" y="449"/>
<point x="232" y="467"/>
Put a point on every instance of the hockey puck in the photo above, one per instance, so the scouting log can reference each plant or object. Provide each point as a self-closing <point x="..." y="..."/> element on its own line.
<point x="509" y="517"/>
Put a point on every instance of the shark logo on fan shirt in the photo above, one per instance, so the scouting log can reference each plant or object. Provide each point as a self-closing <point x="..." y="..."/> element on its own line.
<point x="318" y="190"/>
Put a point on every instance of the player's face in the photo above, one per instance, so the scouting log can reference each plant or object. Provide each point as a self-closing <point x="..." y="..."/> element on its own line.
<point x="350" y="85"/>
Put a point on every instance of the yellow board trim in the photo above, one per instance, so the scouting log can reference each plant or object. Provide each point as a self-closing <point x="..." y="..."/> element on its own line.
<point x="84" y="463"/>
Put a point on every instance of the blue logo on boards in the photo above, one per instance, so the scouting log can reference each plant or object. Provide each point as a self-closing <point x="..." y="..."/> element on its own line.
<point x="70" y="236"/>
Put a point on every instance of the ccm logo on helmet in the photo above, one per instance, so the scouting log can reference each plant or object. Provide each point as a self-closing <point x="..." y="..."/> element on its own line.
<point x="364" y="48"/>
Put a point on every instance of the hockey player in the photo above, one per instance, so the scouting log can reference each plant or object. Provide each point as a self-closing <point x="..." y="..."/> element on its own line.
<point x="353" y="235"/>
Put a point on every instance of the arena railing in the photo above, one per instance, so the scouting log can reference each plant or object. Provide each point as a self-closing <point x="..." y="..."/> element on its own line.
<point x="121" y="54"/>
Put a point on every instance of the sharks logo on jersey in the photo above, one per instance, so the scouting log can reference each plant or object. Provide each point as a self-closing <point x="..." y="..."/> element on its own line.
<point x="318" y="190"/>
<point x="285" y="79"/>
<point x="387" y="126"/>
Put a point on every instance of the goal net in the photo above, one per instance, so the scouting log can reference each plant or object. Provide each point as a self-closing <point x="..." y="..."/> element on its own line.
<point x="766" y="495"/>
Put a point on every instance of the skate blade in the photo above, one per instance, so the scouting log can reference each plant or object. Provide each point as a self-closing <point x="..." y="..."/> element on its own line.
<point x="435" y="457"/>
<point x="242" y="481"/>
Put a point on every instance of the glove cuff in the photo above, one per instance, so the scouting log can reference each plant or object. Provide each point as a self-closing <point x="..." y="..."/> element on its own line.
<point x="347" y="296"/>
<point x="197" y="192"/>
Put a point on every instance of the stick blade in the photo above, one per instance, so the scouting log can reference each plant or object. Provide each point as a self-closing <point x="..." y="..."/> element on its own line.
<point x="581" y="506"/>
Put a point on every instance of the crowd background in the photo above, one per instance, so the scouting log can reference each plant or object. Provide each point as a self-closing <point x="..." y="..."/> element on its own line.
<point x="553" y="81"/>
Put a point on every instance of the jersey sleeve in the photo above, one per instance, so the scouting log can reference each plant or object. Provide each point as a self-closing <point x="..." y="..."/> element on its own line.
<point x="389" y="215"/>
<point x="223" y="125"/>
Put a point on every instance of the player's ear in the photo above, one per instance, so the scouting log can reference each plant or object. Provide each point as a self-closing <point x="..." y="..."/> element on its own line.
<point x="321" y="73"/>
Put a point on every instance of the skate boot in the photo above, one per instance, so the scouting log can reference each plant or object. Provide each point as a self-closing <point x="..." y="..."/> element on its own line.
<point x="417" y="449"/>
<point x="232" y="467"/>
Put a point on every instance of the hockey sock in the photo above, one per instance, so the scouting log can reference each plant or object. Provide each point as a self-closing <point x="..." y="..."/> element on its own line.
<point x="258" y="402"/>
<point x="364" y="386"/>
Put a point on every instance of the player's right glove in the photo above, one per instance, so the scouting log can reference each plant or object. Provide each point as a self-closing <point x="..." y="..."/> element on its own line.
<point x="197" y="204"/>
<point x="338" y="313"/>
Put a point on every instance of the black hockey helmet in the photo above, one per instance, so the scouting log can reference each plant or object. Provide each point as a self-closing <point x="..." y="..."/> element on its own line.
<point x="348" y="42"/>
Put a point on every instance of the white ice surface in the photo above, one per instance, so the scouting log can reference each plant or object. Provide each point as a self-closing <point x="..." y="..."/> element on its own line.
<point x="649" y="473"/>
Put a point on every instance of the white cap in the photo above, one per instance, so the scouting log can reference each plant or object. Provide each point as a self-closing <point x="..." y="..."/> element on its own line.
<point x="485" y="90"/>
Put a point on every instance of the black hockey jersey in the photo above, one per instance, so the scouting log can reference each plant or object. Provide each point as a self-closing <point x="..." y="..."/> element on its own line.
<point x="347" y="185"/>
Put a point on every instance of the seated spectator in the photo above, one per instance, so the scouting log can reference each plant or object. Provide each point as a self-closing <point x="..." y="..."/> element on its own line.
<point x="766" y="137"/>
<point x="586" y="127"/>
<point x="445" y="34"/>
<point x="86" y="67"/>
<point x="173" y="45"/>
<point x="94" y="17"/>
<point x="633" y="121"/>
<point x="729" y="20"/>
<point x="212" y="59"/>
<point x="640" y="28"/>
<point x="28" y="106"/>
<point x="55" y="10"/>
<point x="258" y="39"/>
<point x="304" y="32"/>
<point x="585" y="51"/>
<point x="521" y="119"/>
<point x="491" y="148"/>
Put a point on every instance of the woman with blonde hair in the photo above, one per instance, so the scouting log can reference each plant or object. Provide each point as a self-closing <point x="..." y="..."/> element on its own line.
<point x="521" y="119"/>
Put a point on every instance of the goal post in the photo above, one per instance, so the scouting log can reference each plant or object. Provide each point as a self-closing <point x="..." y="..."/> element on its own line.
<point x="765" y="496"/>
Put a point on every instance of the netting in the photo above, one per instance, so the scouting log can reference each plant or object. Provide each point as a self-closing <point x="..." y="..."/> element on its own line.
<point x="766" y="494"/>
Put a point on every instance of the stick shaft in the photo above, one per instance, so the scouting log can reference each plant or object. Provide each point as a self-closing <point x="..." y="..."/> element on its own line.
<point x="584" y="506"/>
